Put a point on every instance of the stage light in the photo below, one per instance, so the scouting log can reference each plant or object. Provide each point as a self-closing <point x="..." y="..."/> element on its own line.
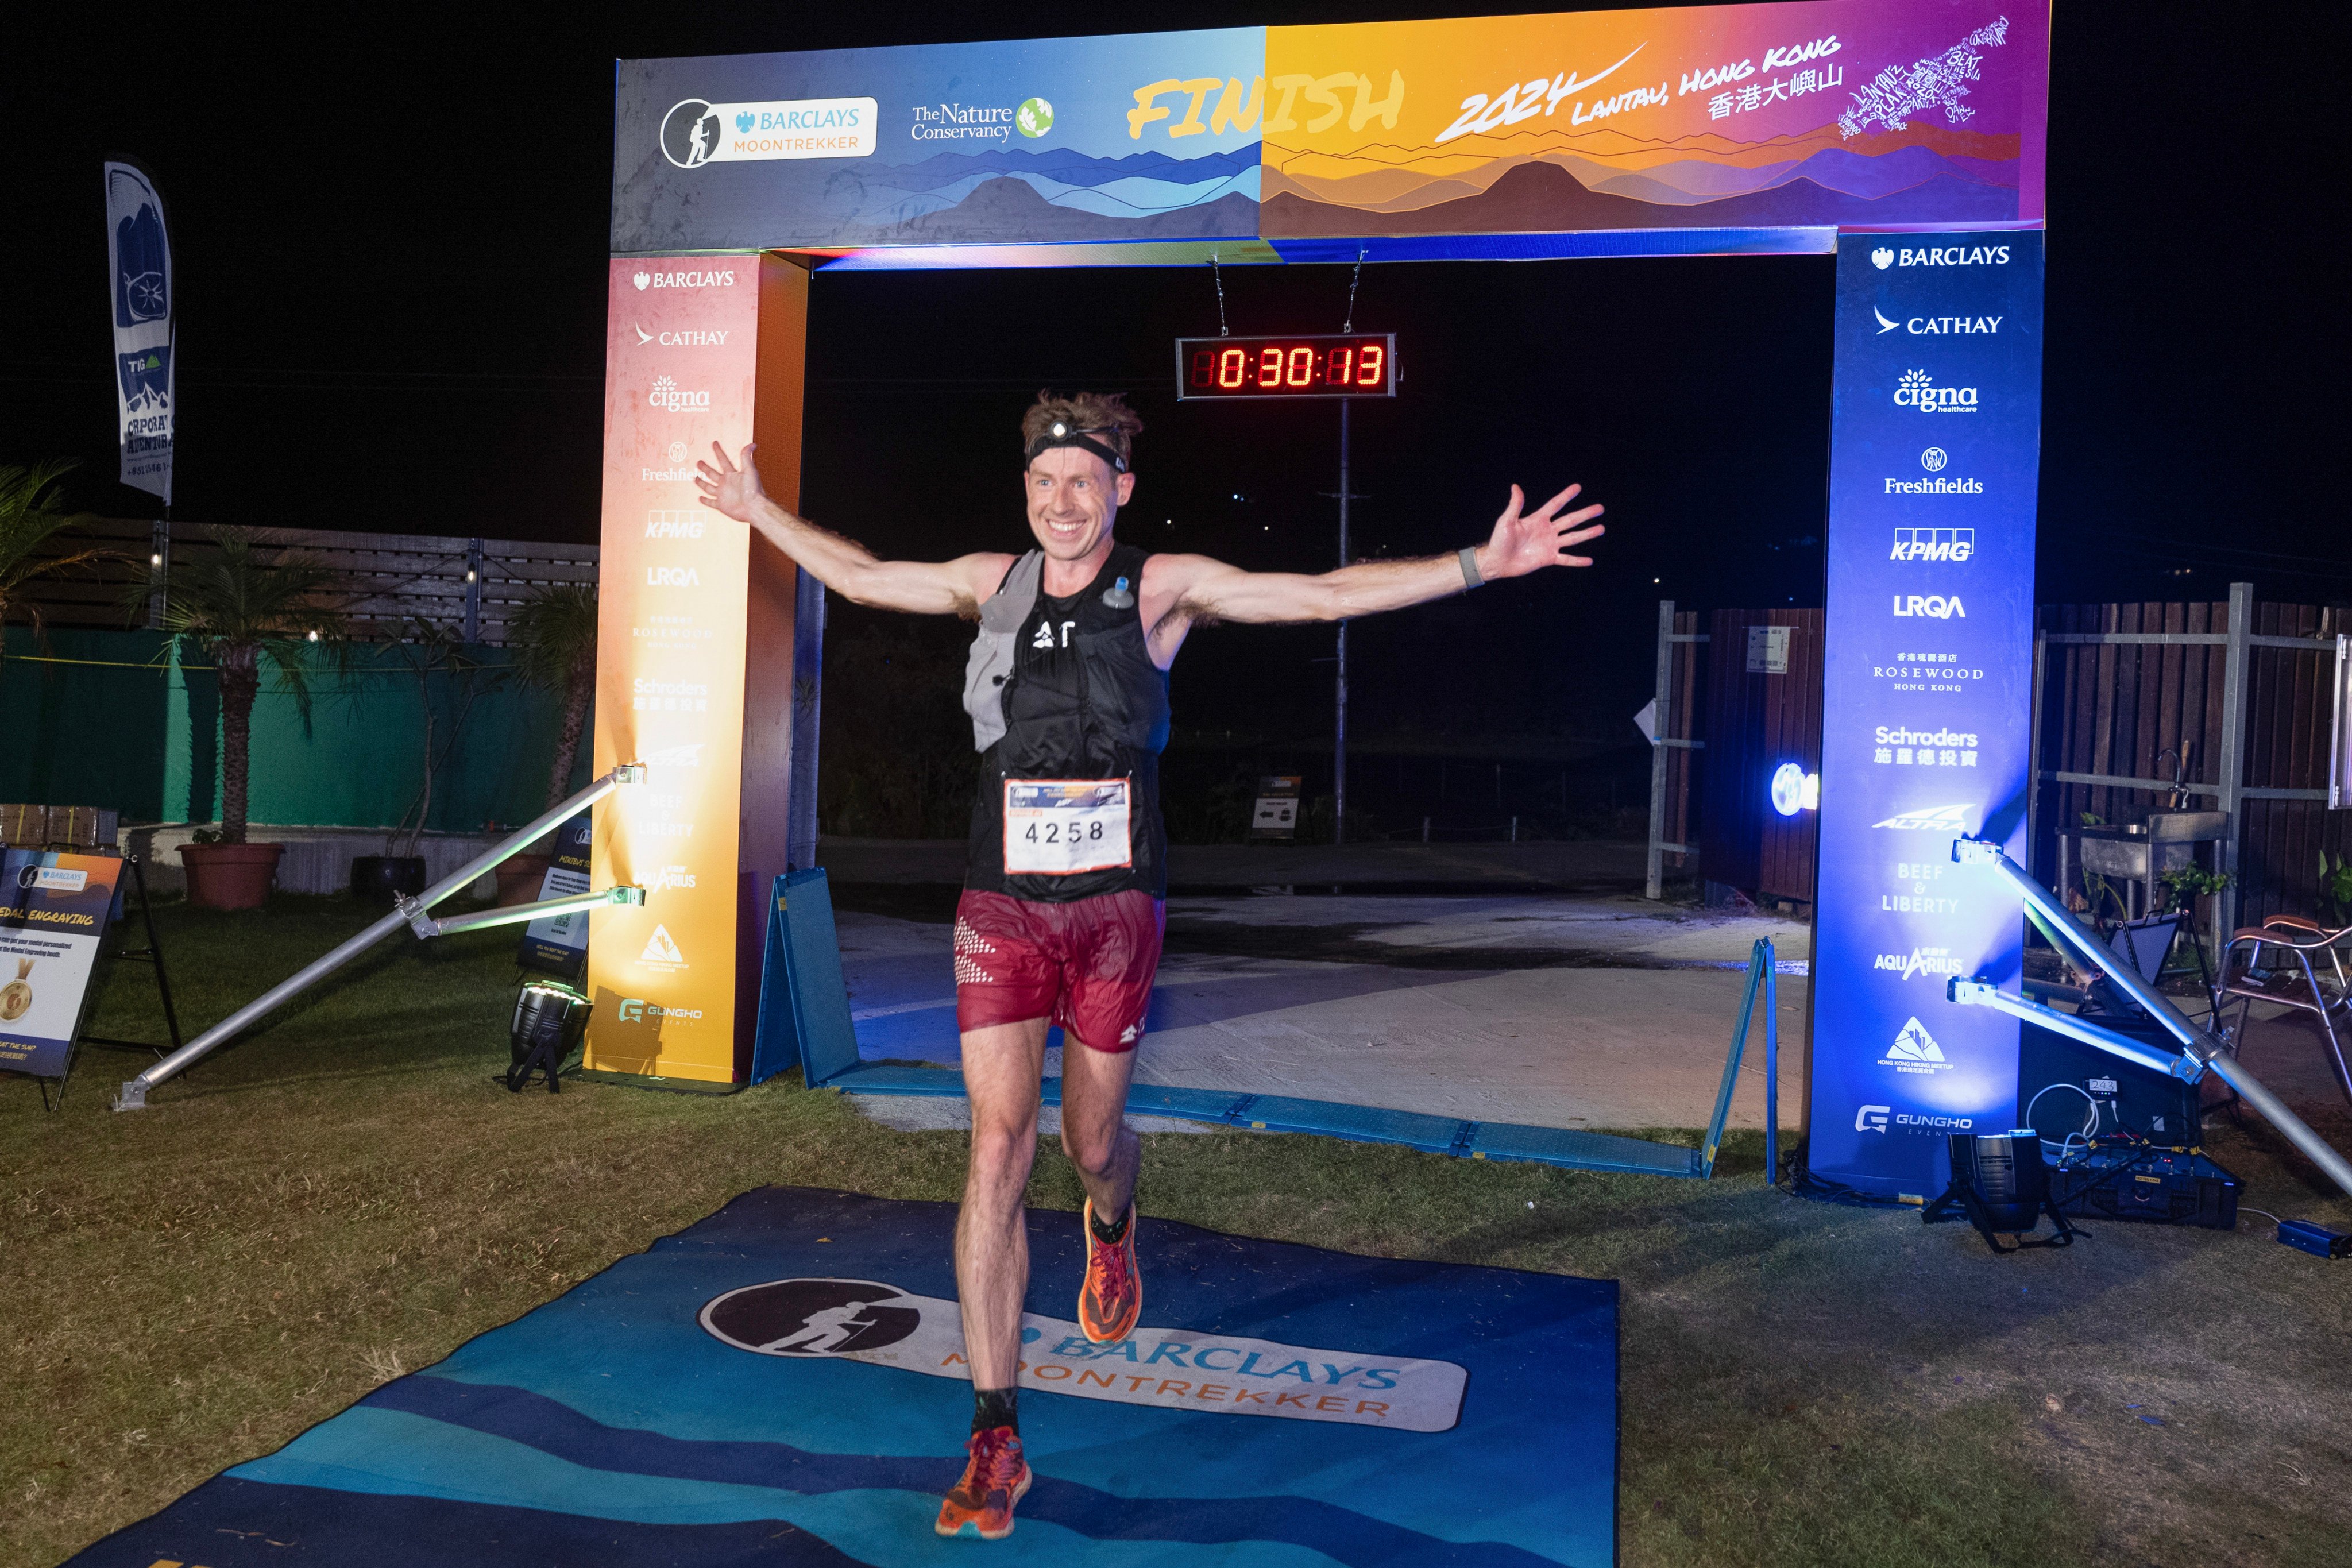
<point x="1997" y="1181"/>
<point x="156" y="559"/>
<point x="1795" y="790"/>
<point x="549" y="1022"/>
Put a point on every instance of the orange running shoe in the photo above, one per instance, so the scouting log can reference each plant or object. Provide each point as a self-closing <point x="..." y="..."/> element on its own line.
<point x="995" y="1478"/>
<point x="1111" y="1298"/>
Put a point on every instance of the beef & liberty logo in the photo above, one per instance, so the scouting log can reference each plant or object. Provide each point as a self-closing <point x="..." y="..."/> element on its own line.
<point x="1209" y="1373"/>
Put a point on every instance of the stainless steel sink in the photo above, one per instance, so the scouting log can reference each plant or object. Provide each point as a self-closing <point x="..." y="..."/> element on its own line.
<point x="2187" y="827"/>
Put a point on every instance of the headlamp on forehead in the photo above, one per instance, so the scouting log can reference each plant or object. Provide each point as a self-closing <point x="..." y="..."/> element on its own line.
<point x="1061" y="433"/>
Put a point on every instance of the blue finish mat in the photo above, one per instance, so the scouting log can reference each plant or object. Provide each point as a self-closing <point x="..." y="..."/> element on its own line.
<point x="783" y="1384"/>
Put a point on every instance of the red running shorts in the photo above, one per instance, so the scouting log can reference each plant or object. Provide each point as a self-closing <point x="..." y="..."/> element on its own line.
<point x="1087" y="965"/>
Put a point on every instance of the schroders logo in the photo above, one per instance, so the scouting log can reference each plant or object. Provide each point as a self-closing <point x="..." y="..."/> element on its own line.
<point x="695" y="131"/>
<point x="720" y="279"/>
<point x="1918" y="390"/>
<point x="1953" y="545"/>
<point x="667" y="393"/>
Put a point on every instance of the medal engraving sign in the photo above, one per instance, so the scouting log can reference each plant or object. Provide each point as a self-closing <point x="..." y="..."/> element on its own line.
<point x="53" y="911"/>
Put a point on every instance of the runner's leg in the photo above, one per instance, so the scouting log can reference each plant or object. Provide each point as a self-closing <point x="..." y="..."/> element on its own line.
<point x="1002" y="1065"/>
<point x="1094" y="1124"/>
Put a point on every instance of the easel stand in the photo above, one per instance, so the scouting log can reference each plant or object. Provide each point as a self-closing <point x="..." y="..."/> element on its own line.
<point x="152" y="953"/>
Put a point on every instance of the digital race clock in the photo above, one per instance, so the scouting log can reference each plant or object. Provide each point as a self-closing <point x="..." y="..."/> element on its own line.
<point x="1359" y="365"/>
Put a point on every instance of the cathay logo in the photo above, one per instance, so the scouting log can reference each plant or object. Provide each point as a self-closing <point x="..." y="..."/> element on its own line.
<point x="1884" y="326"/>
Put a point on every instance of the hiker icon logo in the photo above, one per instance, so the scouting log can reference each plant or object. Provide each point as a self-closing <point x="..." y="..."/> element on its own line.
<point x="811" y="1317"/>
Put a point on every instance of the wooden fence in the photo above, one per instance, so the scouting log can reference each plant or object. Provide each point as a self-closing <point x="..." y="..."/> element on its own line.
<point x="472" y="586"/>
<point x="2116" y="686"/>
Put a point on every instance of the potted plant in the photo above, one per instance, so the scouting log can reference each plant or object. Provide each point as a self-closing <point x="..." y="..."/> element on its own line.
<point x="553" y="635"/>
<point x="29" y="517"/>
<point x="427" y="651"/>
<point x="245" y="606"/>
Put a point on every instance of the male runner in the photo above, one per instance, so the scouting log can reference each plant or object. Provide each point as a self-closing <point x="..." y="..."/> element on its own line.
<point x="1060" y="919"/>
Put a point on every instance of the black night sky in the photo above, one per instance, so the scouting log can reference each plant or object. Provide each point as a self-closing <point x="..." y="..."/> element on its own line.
<point x="391" y="235"/>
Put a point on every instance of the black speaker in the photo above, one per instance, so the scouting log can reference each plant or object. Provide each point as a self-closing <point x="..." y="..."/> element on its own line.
<point x="2066" y="1087"/>
<point x="549" y="1021"/>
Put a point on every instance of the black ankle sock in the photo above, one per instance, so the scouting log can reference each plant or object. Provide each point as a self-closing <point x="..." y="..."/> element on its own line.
<point x="1112" y="1232"/>
<point x="995" y="1407"/>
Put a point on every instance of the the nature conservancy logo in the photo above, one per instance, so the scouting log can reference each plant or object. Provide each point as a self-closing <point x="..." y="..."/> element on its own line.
<point x="1918" y="390"/>
<point x="1034" y="118"/>
<point x="1206" y="1374"/>
<point x="1914" y="1050"/>
<point x="695" y="131"/>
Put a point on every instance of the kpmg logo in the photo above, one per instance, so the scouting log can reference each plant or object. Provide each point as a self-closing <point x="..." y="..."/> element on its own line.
<point x="644" y="280"/>
<point x="667" y="393"/>
<point x="1920" y="960"/>
<point x="695" y="131"/>
<point x="1953" y="545"/>
<point x="1935" y="606"/>
<point x="1951" y="819"/>
<point x="1914" y="1050"/>
<point x="675" y="522"/>
<point x="1918" y="390"/>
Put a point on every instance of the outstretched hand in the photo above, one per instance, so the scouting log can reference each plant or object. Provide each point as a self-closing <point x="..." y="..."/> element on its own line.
<point x="736" y="490"/>
<point x="1531" y="542"/>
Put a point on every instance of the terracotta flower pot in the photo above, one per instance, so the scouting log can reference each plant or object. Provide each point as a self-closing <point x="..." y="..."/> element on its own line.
<point x="520" y="878"/>
<point x="230" y="876"/>
<point x="378" y="878"/>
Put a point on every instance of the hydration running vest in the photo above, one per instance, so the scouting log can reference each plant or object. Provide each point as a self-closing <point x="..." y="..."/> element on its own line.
<point x="1065" y="690"/>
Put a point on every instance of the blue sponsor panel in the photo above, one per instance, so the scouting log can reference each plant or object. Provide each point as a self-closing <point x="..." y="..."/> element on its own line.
<point x="1935" y="455"/>
<point x="783" y="1383"/>
<point x="1141" y="136"/>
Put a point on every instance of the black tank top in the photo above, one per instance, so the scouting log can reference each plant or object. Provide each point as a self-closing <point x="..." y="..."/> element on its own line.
<point x="1084" y="701"/>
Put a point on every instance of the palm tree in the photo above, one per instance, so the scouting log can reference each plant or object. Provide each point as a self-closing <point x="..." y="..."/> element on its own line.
<point x="250" y="603"/>
<point x="554" y="639"/>
<point x="29" y="518"/>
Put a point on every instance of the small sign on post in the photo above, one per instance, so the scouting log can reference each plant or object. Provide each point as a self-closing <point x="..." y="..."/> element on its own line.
<point x="1275" y="813"/>
<point x="558" y="944"/>
<point x="1767" y="650"/>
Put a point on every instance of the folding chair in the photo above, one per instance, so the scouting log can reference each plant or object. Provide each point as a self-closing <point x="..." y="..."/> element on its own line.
<point x="2295" y="985"/>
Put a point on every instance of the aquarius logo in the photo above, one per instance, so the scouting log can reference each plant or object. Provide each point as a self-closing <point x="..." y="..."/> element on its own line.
<point x="1034" y="118"/>
<point x="1918" y="390"/>
<point x="1914" y="1050"/>
<point x="1920" y="960"/>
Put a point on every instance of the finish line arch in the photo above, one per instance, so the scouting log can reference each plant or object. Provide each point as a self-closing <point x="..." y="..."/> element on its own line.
<point x="1904" y="139"/>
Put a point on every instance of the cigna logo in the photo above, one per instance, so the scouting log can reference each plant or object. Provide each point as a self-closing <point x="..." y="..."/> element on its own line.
<point x="667" y="393"/>
<point x="1918" y="390"/>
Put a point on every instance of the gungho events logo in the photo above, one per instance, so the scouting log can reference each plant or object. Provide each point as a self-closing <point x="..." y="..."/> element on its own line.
<point x="1918" y="390"/>
<point x="695" y="131"/>
<point x="1876" y="1118"/>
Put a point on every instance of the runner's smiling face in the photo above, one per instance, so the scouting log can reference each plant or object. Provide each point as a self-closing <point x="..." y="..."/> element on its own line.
<point x="1073" y="496"/>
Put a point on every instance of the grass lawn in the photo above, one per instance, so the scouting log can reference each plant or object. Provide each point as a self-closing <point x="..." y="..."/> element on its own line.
<point x="346" y="1196"/>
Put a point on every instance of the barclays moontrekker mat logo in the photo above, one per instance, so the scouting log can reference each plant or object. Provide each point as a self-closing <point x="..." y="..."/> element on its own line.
<point x="881" y="1325"/>
<point x="695" y="131"/>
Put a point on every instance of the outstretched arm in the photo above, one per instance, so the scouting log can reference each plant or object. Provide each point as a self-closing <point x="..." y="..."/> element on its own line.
<point x="946" y="588"/>
<point x="1522" y="542"/>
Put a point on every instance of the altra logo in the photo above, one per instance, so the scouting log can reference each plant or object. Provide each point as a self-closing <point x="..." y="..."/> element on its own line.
<point x="1935" y="606"/>
<point x="660" y="949"/>
<point x="1951" y="819"/>
<point x="1871" y="1117"/>
<point x="1914" y="1050"/>
<point x="1918" y="390"/>
<point x="1953" y="545"/>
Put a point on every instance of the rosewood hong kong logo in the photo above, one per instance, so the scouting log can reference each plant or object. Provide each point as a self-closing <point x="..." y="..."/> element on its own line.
<point x="695" y="131"/>
<point x="886" y="1327"/>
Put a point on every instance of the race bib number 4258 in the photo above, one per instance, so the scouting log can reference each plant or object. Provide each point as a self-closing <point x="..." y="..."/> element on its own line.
<point x="1059" y="827"/>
